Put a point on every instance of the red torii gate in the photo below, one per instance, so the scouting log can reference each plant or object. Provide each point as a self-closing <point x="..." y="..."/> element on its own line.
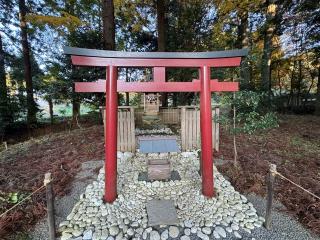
<point x="158" y="61"/>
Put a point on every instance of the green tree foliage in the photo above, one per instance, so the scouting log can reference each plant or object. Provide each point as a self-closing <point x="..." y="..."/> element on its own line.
<point x="251" y="114"/>
<point x="5" y="113"/>
<point x="282" y="36"/>
<point x="183" y="15"/>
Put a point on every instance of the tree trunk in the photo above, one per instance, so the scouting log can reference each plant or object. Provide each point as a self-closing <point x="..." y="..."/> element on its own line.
<point x="70" y="8"/>
<point x="50" y="109"/>
<point x="74" y="99"/>
<point x="267" y="46"/>
<point x="243" y="42"/>
<point x="299" y="82"/>
<point x="279" y="82"/>
<point x="75" y="109"/>
<point x="161" y="25"/>
<point x="175" y="99"/>
<point x="127" y="93"/>
<point x="127" y="99"/>
<point x="243" y="30"/>
<point x="292" y="83"/>
<point x="5" y="116"/>
<point x="161" y="28"/>
<point x="108" y="24"/>
<point x="317" y="112"/>
<point x="31" y="105"/>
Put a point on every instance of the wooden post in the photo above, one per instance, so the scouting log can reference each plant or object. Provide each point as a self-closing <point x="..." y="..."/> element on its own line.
<point x="50" y="205"/>
<point x="217" y="137"/>
<point x="183" y="128"/>
<point x="270" y="190"/>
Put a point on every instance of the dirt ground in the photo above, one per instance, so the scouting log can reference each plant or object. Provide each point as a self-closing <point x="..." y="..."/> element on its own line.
<point x="22" y="169"/>
<point x="294" y="147"/>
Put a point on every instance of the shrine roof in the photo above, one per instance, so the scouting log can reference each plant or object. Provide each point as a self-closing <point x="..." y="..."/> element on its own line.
<point x="154" y="55"/>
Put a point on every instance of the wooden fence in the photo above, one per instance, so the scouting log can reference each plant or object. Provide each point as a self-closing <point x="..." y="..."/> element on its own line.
<point x="167" y="116"/>
<point x="188" y="117"/>
<point x="126" y="129"/>
<point x="190" y="128"/>
<point x="138" y="113"/>
<point x="170" y="115"/>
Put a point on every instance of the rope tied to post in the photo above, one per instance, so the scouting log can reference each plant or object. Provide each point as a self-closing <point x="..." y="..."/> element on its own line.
<point x="46" y="181"/>
<point x="275" y="172"/>
<point x="22" y="200"/>
<point x="270" y="190"/>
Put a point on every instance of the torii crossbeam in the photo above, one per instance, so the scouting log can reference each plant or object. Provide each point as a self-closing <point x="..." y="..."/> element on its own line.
<point x="204" y="61"/>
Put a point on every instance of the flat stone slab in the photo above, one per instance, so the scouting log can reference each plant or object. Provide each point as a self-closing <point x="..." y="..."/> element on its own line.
<point x="161" y="212"/>
<point x="158" y="144"/>
<point x="143" y="176"/>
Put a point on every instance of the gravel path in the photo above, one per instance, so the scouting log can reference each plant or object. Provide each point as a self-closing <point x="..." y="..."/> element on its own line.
<point x="283" y="226"/>
<point x="64" y="205"/>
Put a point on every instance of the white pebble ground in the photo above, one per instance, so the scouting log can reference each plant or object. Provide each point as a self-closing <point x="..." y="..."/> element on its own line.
<point x="199" y="217"/>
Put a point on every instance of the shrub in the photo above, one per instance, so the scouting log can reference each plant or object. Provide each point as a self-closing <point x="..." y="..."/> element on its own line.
<point x="251" y="115"/>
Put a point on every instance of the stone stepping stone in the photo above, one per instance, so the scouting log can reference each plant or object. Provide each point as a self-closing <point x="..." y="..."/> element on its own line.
<point x="161" y="212"/>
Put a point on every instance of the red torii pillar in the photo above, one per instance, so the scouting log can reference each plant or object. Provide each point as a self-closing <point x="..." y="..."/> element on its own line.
<point x="158" y="61"/>
<point x="206" y="133"/>
<point x="111" y="122"/>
